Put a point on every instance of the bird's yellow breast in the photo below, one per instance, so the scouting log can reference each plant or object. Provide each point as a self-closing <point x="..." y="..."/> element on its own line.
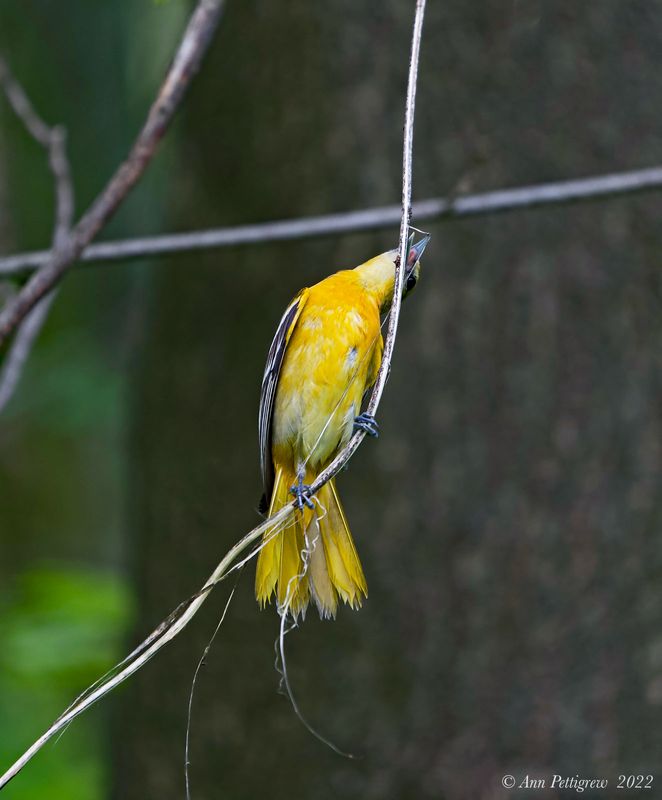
<point x="332" y="357"/>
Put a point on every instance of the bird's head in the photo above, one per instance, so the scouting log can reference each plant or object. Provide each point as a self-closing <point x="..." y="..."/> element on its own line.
<point x="377" y="274"/>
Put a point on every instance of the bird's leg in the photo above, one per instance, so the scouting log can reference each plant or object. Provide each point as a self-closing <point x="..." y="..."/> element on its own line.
<point x="367" y="423"/>
<point x="301" y="492"/>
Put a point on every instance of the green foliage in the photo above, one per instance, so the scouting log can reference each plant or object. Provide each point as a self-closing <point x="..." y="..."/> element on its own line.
<point x="67" y="389"/>
<point x="64" y="624"/>
<point x="61" y="630"/>
<point x="63" y="474"/>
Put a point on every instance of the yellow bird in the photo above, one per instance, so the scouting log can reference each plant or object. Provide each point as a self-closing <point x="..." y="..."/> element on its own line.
<point x="324" y="357"/>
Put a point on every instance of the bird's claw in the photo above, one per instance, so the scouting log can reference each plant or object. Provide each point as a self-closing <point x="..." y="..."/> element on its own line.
<point x="301" y="492"/>
<point x="367" y="423"/>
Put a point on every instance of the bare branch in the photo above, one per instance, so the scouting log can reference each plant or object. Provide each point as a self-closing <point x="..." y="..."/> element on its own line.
<point x="192" y="48"/>
<point x="64" y="191"/>
<point x="163" y="634"/>
<point x="19" y="352"/>
<point x="53" y="140"/>
<point x="394" y="315"/>
<point x="182" y="615"/>
<point x="22" y="107"/>
<point x="500" y="201"/>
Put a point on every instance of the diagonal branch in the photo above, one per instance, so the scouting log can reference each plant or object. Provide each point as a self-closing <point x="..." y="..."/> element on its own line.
<point x="23" y="108"/>
<point x="183" y="614"/>
<point x="21" y="347"/>
<point x="193" y="46"/>
<point x="500" y="201"/>
<point x="53" y="140"/>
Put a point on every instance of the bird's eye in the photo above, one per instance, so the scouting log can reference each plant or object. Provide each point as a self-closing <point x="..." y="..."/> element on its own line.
<point x="411" y="282"/>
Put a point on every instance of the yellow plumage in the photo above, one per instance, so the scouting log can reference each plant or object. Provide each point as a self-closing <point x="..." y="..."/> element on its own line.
<point x="325" y="355"/>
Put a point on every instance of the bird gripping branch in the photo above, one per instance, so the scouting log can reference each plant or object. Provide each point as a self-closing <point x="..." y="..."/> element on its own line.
<point x="323" y="359"/>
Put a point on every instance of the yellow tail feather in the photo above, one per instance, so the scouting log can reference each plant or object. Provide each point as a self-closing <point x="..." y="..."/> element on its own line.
<point x="331" y="568"/>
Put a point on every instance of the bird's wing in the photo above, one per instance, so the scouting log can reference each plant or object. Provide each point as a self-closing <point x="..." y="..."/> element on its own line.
<point x="269" y="384"/>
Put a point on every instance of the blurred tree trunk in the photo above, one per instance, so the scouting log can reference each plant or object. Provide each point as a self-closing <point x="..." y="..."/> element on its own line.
<point x="508" y="516"/>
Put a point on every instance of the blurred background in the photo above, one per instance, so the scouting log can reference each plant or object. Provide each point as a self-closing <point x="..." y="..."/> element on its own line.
<point x="508" y="518"/>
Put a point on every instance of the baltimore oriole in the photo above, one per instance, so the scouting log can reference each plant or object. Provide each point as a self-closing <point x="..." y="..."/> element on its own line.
<point x="324" y="357"/>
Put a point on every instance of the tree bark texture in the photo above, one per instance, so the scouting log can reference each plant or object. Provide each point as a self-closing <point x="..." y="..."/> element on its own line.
<point x="508" y="516"/>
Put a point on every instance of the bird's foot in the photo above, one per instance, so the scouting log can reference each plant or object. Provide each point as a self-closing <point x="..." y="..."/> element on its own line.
<point x="367" y="423"/>
<point x="301" y="492"/>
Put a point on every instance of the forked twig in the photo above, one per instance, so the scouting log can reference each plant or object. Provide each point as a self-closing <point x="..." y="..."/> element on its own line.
<point x="164" y="633"/>
<point x="193" y="46"/>
<point x="53" y="140"/>
<point x="168" y="629"/>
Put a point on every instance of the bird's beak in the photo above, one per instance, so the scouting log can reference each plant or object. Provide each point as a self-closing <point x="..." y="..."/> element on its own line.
<point x="420" y="246"/>
<point x="416" y="250"/>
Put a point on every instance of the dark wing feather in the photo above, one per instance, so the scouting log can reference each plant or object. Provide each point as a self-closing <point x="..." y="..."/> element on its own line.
<point x="269" y="385"/>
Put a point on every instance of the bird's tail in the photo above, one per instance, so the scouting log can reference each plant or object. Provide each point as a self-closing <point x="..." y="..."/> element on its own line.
<point x="314" y="556"/>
